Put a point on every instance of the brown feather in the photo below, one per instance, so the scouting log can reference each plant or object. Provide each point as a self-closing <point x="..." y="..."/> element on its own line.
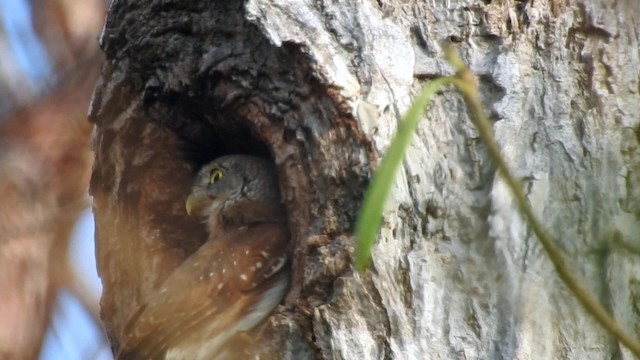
<point x="213" y="289"/>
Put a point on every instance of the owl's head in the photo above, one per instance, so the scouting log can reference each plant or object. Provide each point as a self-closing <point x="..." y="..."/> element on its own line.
<point x="236" y="189"/>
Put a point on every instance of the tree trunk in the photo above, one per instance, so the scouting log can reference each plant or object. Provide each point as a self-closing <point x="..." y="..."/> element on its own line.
<point x="320" y="89"/>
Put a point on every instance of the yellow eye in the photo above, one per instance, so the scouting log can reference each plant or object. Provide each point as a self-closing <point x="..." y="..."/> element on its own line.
<point x="215" y="175"/>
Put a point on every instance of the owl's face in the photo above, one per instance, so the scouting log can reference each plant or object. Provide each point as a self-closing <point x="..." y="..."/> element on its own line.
<point x="233" y="182"/>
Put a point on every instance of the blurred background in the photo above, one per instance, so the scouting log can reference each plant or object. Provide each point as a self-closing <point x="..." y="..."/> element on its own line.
<point x="49" y="289"/>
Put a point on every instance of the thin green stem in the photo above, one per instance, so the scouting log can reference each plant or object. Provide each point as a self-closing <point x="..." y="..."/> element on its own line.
<point x="370" y="218"/>
<point x="466" y="84"/>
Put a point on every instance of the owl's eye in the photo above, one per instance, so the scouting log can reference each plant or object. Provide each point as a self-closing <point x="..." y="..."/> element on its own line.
<point x="215" y="175"/>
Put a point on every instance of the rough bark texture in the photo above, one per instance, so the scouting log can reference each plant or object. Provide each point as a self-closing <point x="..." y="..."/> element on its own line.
<point x="319" y="88"/>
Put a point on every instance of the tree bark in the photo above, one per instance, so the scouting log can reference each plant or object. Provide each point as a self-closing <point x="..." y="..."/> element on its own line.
<point x="320" y="89"/>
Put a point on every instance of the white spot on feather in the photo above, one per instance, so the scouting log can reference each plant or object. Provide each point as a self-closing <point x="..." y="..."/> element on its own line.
<point x="278" y="265"/>
<point x="201" y="348"/>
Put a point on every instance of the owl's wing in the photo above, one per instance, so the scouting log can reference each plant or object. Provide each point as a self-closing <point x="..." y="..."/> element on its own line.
<point x="232" y="282"/>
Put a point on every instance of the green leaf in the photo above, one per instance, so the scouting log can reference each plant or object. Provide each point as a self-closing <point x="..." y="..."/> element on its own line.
<point x="370" y="218"/>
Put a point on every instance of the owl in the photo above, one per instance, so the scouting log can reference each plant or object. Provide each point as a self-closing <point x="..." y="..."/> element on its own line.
<point x="231" y="283"/>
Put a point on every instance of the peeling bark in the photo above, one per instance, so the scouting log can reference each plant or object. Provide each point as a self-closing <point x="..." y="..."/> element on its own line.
<point x="320" y="88"/>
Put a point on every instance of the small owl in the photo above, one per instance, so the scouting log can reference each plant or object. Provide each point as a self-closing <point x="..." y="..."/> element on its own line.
<point x="233" y="281"/>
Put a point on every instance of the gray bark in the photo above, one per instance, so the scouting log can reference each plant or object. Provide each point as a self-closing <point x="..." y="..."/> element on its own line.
<point x="456" y="273"/>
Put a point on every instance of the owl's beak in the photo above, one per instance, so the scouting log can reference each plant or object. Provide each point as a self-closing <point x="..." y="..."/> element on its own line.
<point x="194" y="203"/>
